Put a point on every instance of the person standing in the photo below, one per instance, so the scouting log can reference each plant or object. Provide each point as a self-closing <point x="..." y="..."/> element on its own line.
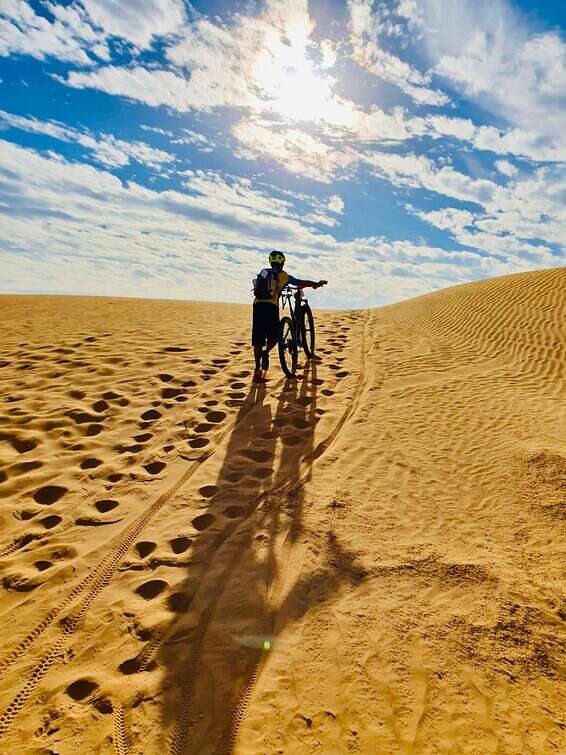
<point x="265" y="322"/>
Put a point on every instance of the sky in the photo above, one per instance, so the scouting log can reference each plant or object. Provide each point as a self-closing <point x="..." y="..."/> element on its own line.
<point x="162" y="148"/>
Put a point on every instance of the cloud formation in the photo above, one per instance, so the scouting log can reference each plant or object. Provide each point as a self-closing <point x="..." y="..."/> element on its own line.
<point x="106" y="149"/>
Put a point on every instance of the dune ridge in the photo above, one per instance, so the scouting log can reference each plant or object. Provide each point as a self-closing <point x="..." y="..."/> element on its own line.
<point x="367" y="559"/>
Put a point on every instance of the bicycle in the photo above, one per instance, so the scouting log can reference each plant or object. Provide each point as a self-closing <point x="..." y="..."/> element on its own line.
<point x="295" y="331"/>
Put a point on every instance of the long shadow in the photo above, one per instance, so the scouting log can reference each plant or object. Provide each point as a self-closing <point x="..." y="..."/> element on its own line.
<point x="231" y="602"/>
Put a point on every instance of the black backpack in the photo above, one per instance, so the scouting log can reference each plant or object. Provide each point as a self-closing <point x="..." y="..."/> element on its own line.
<point x="265" y="285"/>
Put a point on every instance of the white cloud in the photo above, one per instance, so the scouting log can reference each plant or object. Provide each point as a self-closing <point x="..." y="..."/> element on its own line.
<point x="488" y="52"/>
<point x="156" y="130"/>
<point x="419" y="172"/>
<point x="137" y="21"/>
<point x="367" y="29"/>
<point x="507" y="168"/>
<point x="200" y="141"/>
<point x="106" y="148"/>
<point x="335" y="204"/>
<point x="297" y="151"/>
<point x="157" y="87"/>
<point x="75" y="228"/>
<point x="525" y="219"/>
<point x="23" y="32"/>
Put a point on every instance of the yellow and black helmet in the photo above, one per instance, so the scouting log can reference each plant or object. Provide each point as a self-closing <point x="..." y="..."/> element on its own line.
<point x="277" y="257"/>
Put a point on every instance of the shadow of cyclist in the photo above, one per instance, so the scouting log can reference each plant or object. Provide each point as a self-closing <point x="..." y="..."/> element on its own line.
<point x="213" y="649"/>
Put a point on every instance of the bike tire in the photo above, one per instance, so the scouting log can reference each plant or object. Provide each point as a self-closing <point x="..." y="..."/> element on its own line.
<point x="287" y="343"/>
<point x="307" y="331"/>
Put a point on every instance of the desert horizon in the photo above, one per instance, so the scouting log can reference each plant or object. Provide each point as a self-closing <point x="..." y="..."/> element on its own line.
<point x="366" y="558"/>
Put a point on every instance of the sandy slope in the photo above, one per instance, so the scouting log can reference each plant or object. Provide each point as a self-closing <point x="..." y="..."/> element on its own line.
<point x="368" y="560"/>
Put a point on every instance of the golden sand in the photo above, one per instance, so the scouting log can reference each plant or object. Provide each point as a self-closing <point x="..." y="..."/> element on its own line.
<point x="369" y="559"/>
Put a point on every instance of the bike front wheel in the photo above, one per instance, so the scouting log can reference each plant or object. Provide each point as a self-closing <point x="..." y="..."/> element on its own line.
<point x="288" y="352"/>
<point x="307" y="331"/>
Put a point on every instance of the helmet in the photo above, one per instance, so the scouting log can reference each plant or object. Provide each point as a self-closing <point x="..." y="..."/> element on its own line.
<point x="277" y="257"/>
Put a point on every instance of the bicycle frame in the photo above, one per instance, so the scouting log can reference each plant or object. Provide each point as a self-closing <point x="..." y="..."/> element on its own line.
<point x="293" y="297"/>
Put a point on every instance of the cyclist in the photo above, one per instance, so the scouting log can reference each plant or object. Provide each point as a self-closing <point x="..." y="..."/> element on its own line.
<point x="265" y="329"/>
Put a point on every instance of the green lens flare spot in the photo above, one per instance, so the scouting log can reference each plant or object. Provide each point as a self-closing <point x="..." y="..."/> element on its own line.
<point x="266" y="645"/>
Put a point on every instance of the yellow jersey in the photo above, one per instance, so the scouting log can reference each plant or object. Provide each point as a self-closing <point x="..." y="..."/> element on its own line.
<point x="282" y="280"/>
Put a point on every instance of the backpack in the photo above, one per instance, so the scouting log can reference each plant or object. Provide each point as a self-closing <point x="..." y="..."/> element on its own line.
<point x="265" y="285"/>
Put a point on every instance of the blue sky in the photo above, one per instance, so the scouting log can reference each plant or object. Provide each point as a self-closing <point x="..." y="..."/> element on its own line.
<point x="161" y="148"/>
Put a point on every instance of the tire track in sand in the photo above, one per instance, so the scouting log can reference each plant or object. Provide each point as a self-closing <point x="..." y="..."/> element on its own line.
<point x="93" y="583"/>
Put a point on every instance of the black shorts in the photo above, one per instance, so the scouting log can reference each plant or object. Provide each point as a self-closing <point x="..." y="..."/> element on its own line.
<point x="265" y="323"/>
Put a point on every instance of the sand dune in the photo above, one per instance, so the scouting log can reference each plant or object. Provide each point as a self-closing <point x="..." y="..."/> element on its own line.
<point x="368" y="559"/>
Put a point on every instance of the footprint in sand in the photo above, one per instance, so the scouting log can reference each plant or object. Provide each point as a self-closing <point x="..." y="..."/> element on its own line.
<point x="179" y="544"/>
<point x="26" y="514"/>
<point x="150" y="590"/>
<point x="198" y="442"/>
<point x="81" y="689"/>
<point x="143" y="437"/>
<point x="234" y="476"/>
<point x="90" y="463"/>
<point x="234" y="512"/>
<point x="203" y="522"/>
<point x="111" y="396"/>
<point x="115" y="477"/>
<point x="342" y="374"/>
<point x="215" y="417"/>
<point x="82" y="418"/>
<point x="22" y="446"/>
<point x="27" y="466"/>
<point x="172" y="392"/>
<point x="291" y="440"/>
<point x="106" y="504"/>
<point x="179" y="602"/>
<point x="100" y="406"/>
<point x="165" y="378"/>
<point x="49" y="494"/>
<point x="188" y="384"/>
<point x="203" y="427"/>
<point x="50" y="521"/>
<point x="151" y="414"/>
<point x="155" y="467"/>
<point x="145" y="547"/>
<point x="42" y="565"/>
<point x="94" y="429"/>
<point x="207" y="491"/>
<point x="327" y="392"/>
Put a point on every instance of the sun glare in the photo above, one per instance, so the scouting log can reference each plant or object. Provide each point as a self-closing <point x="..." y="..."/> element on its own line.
<point x="292" y="86"/>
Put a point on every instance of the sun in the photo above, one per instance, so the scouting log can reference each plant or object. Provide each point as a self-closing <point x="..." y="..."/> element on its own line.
<point x="291" y="84"/>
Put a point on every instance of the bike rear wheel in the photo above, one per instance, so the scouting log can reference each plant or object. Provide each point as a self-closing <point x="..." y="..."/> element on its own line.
<point x="307" y="331"/>
<point x="288" y="352"/>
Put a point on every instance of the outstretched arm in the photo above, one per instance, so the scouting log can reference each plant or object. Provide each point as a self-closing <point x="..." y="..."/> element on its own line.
<point x="306" y="283"/>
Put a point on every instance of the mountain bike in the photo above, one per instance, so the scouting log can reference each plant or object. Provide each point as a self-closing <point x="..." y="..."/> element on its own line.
<point x="295" y="331"/>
